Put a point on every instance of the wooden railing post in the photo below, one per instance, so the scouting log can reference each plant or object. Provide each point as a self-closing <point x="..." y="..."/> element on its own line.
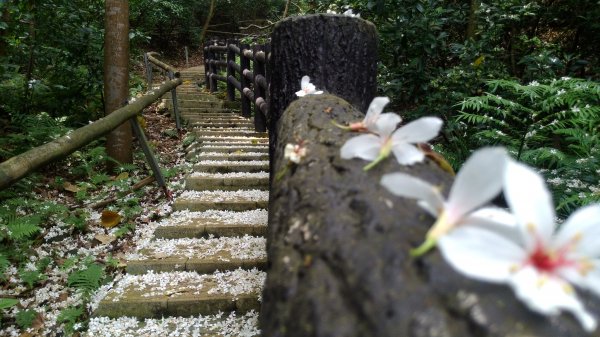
<point x="206" y="53"/>
<point x="230" y="71"/>
<point x="148" y="66"/>
<point x="213" y="69"/>
<point x="244" y="64"/>
<point x="150" y="158"/>
<point x="175" y="104"/>
<point x="259" y="91"/>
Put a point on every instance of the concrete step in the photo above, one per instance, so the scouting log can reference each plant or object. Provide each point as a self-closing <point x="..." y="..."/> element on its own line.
<point x="238" y="131"/>
<point x="230" y="147"/>
<point x="218" y="223"/>
<point x="217" y="325"/>
<point x="195" y="103"/>
<point x="225" y="166"/>
<point x="199" y="111"/>
<point x="155" y="295"/>
<point x="201" y="122"/>
<point x="221" y="156"/>
<point x="226" y="116"/>
<point x="232" y="139"/>
<point x="202" y="255"/>
<point x="192" y="94"/>
<point x="243" y="200"/>
<point x="203" y="181"/>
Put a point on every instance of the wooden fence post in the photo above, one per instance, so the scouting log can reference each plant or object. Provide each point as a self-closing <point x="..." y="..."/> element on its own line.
<point x="206" y="53"/>
<point x="244" y="64"/>
<point x="259" y="72"/>
<point x="230" y="71"/>
<point x="148" y="66"/>
<point x="338" y="52"/>
<point x="214" y="69"/>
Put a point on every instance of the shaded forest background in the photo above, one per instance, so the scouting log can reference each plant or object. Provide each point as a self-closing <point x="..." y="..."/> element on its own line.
<point x="475" y="64"/>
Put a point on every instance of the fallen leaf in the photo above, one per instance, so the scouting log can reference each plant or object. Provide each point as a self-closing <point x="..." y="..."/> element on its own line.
<point x="70" y="187"/>
<point x="105" y="239"/>
<point x="110" y="219"/>
<point x="328" y="110"/>
<point x="123" y="175"/>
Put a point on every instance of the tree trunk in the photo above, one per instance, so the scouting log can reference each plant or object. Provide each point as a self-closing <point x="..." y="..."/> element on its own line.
<point x="472" y="24"/>
<point x="19" y="166"/>
<point x="287" y="7"/>
<point x="211" y="11"/>
<point x="338" y="249"/>
<point x="116" y="77"/>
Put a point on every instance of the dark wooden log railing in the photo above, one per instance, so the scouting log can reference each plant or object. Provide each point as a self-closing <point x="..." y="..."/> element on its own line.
<point x="249" y="77"/>
<point x="338" y="242"/>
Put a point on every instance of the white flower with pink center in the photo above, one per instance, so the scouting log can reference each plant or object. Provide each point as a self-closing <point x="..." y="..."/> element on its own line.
<point x="539" y="263"/>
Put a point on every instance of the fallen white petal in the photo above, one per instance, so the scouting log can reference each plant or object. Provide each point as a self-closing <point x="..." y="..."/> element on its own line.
<point x="407" y="154"/>
<point x="419" y="131"/>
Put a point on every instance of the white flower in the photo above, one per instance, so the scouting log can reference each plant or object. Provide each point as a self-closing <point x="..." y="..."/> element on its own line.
<point x="294" y="152"/>
<point x="400" y="142"/>
<point x="329" y="11"/>
<point x="351" y="14"/>
<point x="307" y="88"/>
<point x="538" y="263"/>
<point x="374" y="116"/>
<point x="534" y="83"/>
<point x="477" y="182"/>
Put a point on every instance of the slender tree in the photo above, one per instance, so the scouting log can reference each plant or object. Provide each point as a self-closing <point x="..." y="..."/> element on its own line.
<point x="116" y="76"/>
<point x="211" y="11"/>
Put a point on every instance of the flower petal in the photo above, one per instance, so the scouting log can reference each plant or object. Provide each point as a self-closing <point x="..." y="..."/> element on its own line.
<point x="477" y="182"/>
<point x="407" y="154"/>
<point x="300" y="93"/>
<point x="385" y="124"/>
<point x="530" y="202"/>
<point x="583" y="226"/>
<point x="549" y="295"/>
<point x="496" y="220"/>
<point x="404" y="185"/>
<point x="375" y="109"/>
<point x="419" y="131"/>
<point x="364" y="146"/>
<point x="584" y="273"/>
<point x="304" y="81"/>
<point x="317" y="92"/>
<point x="480" y="254"/>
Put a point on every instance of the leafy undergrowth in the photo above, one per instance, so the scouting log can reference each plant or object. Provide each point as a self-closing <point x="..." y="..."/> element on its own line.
<point x="64" y="231"/>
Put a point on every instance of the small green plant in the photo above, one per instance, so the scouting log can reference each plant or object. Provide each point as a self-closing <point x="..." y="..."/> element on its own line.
<point x="31" y="277"/>
<point x="25" y="318"/>
<point x="88" y="279"/>
<point x="69" y="318"/>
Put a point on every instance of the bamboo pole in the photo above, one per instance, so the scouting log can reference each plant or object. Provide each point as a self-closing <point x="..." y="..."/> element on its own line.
<point x="19" y="166"/>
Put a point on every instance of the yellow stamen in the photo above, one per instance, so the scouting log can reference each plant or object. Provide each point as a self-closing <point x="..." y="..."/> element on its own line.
<point x="514" y="268"/>
<point x="541" y="281"/>
<point x="568" y="289"/>
<point x="531" y="227"/>
<point x="585" y="266"/>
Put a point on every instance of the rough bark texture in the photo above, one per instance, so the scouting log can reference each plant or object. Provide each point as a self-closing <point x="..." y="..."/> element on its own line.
<point x="338" y="52"/>
<point x="116" y="76"/>
<point x="19" y="166"/>
<point x="338" y="246"/>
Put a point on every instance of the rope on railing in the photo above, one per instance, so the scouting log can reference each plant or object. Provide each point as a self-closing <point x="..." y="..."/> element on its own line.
<point x="248" y="77"/>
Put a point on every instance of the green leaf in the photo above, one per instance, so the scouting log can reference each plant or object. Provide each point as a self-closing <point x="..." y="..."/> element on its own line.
<point x="88" y="279"/>
<point x="8" y="302"/>
<point x="25" y="318"/>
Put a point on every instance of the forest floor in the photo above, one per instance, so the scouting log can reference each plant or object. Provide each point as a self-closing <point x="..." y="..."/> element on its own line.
<point x="86" y="226"/>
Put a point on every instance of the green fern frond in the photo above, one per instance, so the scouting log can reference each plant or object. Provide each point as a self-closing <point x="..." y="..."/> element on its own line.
<point x="88" y="279"/>
<point x="23" y="227"/>
<point x="8" y="302"/>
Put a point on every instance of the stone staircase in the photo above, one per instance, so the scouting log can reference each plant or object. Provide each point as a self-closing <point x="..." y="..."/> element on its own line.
<point x="201" y="274"/>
